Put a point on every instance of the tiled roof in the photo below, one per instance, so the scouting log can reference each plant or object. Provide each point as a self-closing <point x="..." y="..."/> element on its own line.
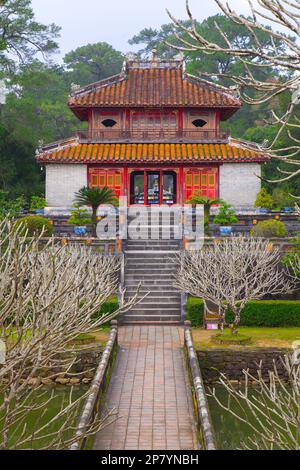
<point x="165" y="84"/>
<point x="149" y="153"/>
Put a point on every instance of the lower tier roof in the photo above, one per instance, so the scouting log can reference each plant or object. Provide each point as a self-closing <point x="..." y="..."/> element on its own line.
<point x="74" y="152"/>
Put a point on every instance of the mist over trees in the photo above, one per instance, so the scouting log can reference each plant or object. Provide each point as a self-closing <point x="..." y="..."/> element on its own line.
<point x="38" y="86"/>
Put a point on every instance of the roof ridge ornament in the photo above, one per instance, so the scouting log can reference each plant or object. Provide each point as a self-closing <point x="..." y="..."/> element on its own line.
<point x="154" y="57"/>
<point x="74" y="89"/>
<point x="236" y="91"/>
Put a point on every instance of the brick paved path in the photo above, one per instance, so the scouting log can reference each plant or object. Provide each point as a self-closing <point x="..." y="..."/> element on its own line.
<point x="150" y="392"/>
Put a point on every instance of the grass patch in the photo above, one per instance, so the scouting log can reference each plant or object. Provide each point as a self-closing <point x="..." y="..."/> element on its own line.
<point x="260" y="338"/>
<point x="230" y="339"/>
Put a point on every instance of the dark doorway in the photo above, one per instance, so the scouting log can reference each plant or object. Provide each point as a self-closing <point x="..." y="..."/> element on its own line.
<point x="153" y="187"/>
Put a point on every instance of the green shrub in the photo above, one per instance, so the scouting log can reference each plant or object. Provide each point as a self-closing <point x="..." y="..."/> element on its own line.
<point x="195" y="311"/>
<point x="226" y="215"/>
<point x="79" y="216"/>
<point x="291" y="258"/>
<point x="281" y="198"/>
<point x="270" y="313"/>
<point x="37" y="202"/>
<point x="10" y="207"/>
<point x="269" y="229"/>
<point x="265" y="313"/>
<point x="35" y="225"/>
<point x="110" y="306"/>
<point x="264" y="199"/>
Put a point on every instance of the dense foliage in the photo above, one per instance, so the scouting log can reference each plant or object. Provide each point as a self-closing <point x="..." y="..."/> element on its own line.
<point x="264" y="199"/>
<point x="269" y="229"/>
<point x="265" y="313"/>
<point x="34" y="225"/>
<point x="226" y="215"/>
<point x="38" y="89"/>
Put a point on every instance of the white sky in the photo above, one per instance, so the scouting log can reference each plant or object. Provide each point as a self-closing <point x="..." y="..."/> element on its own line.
<point x="115" y="21"/>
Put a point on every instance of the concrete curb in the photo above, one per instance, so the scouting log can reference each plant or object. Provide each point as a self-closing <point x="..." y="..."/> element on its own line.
<point x="204" y="419"/>
<point x="97" y="387"/>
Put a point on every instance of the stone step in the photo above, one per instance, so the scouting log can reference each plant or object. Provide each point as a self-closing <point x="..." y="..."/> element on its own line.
<point x="147" y="286"/>
<point x="151" y="321"/>
<point x="158" y="305"/>
<point x="154" y="300"/>
<point x="142" y="320"/>
<point x="153" y="242"/>
<point x="150" y="264"/>
<point x="160" y="256"/>
<point x="154" y="311"/>
<point x="152" y="250"/>
<point x="146" y="269"/>
<point x="150" y="278"/>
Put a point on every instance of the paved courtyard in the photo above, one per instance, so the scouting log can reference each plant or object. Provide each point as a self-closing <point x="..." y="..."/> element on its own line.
<point x="150" y="393"/>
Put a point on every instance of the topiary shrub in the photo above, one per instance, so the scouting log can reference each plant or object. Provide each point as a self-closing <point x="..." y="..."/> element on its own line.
<point x="35" y="225"/>
<point x="195" y="311"/>
<point x="264" y="199"/>
<point x="269" y="229"/>
<point x="108" y="307"/>
<point x="282" y="198"/>
<point x="226" y="215"/>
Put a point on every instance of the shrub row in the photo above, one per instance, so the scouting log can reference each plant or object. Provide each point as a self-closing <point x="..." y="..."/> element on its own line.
<point x="108" y="307"/>
<point x="267" y="313"/>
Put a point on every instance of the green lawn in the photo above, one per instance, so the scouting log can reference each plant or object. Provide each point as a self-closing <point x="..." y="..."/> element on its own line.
<point x="261" y="338"/>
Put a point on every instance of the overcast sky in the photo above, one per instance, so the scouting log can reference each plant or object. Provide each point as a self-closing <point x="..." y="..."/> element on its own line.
<point x="114" y="21"/>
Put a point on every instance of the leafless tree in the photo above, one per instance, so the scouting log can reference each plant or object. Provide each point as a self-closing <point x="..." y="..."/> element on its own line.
<point x="284" y="18"/>
<point x="232" y="273"/>
<point x="268" y="406"/>
<point x="49" y="294"/>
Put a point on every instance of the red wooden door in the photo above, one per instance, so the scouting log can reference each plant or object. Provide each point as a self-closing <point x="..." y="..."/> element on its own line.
<point x="201" y="182"/>
<point x="112" y="179"/>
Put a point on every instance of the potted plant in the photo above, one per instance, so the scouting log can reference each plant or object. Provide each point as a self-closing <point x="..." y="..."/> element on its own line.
<point x="80" y="218"/>
<point x="225" y="218"/>
<point x="95" y="197"/>
<point x="207" y="203"/>
<point x="264" y="201"/>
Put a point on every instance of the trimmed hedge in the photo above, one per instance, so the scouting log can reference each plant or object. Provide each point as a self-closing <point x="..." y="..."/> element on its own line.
<point x="34" y="225"/>
<point x="267" y="313"/>
<point x="108" y="307"/>
<point x="195" y="311"/>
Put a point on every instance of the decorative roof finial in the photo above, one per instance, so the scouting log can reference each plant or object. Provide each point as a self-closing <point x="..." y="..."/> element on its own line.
<point x="154" y="57"/>
<point x="74" y="88"/>
<point x="130" y="56"/>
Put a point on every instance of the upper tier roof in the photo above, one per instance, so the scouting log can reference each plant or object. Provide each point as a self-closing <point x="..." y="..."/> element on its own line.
<point x="154" y="83"/>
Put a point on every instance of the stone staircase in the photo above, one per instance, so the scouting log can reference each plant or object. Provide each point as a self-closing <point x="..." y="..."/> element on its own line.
<point x="151" y="264"/>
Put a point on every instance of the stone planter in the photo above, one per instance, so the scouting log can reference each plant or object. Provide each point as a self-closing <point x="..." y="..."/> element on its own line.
<point x="80" y="231"/>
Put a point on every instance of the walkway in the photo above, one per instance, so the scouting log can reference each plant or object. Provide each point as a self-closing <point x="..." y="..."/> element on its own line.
<point x="150" y="392"/>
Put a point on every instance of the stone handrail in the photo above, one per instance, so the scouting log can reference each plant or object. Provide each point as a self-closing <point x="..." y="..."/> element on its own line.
<point x="97" y="389"/>
<point x="203" y="413"/>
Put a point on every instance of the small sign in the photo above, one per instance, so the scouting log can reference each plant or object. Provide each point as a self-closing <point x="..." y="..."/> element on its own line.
<point x="212" y="326"/>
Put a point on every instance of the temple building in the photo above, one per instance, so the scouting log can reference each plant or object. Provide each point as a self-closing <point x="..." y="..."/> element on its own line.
<point x="153" y="134"/>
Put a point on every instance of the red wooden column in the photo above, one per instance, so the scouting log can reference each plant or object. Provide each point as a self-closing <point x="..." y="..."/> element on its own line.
<point x="180" y="184"/>
<point x="125" y="191"/>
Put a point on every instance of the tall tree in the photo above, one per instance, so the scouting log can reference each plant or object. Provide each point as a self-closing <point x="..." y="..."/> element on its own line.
<point x="21" y="37"/>
<point x="35" y="110"/>
<point x="280" y="55"/>
<point x="93" y="62"/>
